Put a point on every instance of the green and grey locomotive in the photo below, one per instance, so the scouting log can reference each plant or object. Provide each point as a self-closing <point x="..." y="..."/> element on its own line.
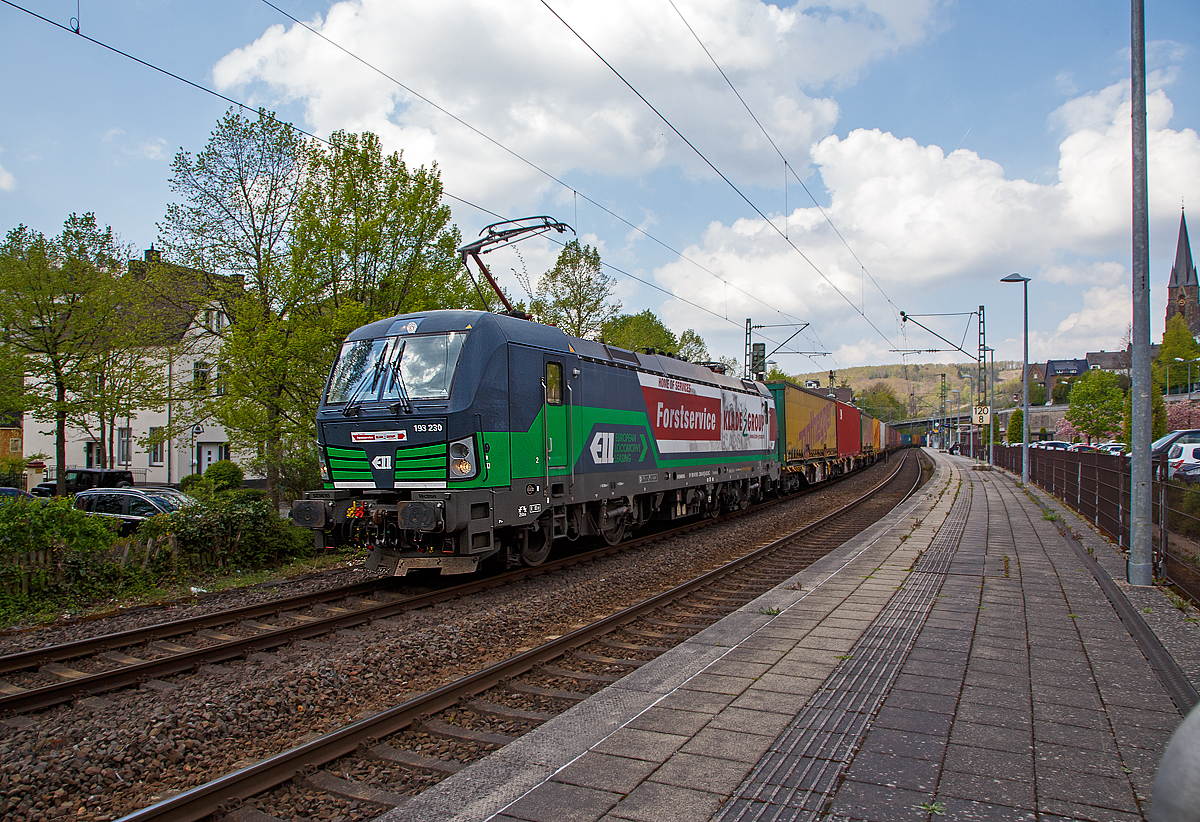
<point x="448" y="437"/>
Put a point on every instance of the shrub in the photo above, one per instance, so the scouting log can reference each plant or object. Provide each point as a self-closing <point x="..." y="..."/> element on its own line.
<point x="188" y="483"/>
<point x="231" y="532"/>
<point x="51" y="553"/>
<point x="224" y="475"/>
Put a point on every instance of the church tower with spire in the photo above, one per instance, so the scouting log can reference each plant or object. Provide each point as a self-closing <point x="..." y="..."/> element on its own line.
<point x="1183" y="291"/>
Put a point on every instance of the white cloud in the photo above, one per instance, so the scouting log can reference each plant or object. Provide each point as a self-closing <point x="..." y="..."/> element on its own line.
<point x="518" y="74"/>
<point x="7" y="181"/>
<point x="1098" y="324"/>
<point x="948" y="225"/>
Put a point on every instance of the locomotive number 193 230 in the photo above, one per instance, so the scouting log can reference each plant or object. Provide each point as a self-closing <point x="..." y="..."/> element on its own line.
<point x="423" y="427"/>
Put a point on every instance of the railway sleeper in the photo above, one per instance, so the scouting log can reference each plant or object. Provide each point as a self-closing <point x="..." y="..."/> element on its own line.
<point x="352" y="789"/>
<point x="582" y="676"/>
<point x="411" y="759"/>
<point x="608" y="660"/>
<point x="519" y="687"/>
<point x="445" y="729"/>
<point x="505" y="712"/>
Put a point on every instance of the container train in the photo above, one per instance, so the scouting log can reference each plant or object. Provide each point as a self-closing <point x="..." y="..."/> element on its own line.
<point x="449" y="437"/>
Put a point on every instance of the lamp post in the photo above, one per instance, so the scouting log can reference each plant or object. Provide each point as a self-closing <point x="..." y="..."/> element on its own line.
<point x="1017" y="278"/>
<point x="991" y="400"/>
<point x="955" y="426"/>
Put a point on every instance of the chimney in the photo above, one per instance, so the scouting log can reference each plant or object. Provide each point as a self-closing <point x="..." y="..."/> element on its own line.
<point x="152" y="255"/>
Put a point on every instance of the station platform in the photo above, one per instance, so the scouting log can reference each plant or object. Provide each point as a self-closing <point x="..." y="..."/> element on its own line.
<point x="969" y="657"/>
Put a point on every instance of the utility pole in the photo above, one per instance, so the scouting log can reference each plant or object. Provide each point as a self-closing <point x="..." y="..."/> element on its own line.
<point x="1140" y="570"/>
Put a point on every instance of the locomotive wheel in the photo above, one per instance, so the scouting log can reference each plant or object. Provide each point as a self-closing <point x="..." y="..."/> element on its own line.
<point x="535" y="545"/>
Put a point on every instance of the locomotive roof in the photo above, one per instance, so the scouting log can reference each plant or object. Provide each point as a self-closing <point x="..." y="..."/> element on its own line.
<point x="549" y="337"/>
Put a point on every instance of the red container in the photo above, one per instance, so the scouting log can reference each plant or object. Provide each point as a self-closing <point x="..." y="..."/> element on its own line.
<point x="849" y="430"/>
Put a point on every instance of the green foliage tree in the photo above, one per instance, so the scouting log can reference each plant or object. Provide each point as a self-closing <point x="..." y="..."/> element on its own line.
<point x="692" y="347"/>
<point x="1178" y="348"/>
<point x="1062" y="390"/>
<point x="1016" y="432"/>
<point x="576" y="295"/>
<point x="375" y="232"/>
<point x="57" y="301"/>
<point x="1097" y="403"/>
<point x="1158" y="416"/>
<point x="240" y="197"/>
<point x="881" y="402"/>
<point x="638" y="331"/>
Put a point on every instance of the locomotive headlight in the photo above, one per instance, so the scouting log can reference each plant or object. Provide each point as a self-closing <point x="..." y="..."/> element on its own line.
<point x="462" y="458"/>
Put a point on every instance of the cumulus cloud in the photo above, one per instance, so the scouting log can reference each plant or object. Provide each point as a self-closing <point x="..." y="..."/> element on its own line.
<point x="927" y="222"/>
<point x="516" y="73"/>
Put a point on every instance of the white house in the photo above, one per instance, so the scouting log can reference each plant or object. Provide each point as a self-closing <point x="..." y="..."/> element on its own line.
<point x="190" y="372"/>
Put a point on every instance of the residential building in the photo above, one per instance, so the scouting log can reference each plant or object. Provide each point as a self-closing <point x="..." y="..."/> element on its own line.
<point x="1114" y="361"/>
<point x="193" y="322"/>
<point x="1057" y="370"/>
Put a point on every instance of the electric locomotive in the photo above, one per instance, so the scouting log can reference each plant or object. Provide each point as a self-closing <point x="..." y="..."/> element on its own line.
<point x="448" y="437"/>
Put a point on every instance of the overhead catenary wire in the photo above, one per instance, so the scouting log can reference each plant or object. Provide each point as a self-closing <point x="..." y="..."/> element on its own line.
<point x="514" y="154"/>
<point x="787" y="167"/>
<point x="326" y="142"/>
<point x="715" y="170"/>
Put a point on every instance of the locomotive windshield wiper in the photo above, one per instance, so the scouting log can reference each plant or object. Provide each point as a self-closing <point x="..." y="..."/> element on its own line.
<point x="351" y="407"/>
<point x="398" y="381"/>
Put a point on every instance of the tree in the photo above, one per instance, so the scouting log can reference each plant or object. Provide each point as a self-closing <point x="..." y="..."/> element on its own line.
<point x="58" y="300"/>
<point x="377" y="233"/>
<point x="1016" y="429"/>
<point x="1062" y="390"/>
<point x="881" y="402"/>
<point x="1177" y="344"/>
<point x="1158" y="417"/>
<point x="692" y="347"/>
<point x="1097" y="404"/>
<point x="638" y="331"/>
<point x="240" y="199"/>
<point x="576" y="295"/>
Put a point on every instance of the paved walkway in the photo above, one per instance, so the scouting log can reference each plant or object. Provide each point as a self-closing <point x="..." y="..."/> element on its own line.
<point x="957" y="661"/>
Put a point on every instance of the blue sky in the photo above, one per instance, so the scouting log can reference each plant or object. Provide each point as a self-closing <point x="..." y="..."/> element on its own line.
<point x="950" y="143"/>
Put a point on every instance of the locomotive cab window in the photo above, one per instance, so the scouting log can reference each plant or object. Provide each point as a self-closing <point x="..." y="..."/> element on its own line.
<point x="554" y="383"/>
<point x="394" y="368"/>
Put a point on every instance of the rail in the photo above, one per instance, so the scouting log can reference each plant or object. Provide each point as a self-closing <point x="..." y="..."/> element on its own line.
<point x="229" y="790"/>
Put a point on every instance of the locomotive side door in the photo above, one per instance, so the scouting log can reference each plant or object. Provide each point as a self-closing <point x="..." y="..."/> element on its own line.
<point x="554" y="395"/>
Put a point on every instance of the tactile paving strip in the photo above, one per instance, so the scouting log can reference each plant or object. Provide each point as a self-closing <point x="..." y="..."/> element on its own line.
<point x="796" y="778"/>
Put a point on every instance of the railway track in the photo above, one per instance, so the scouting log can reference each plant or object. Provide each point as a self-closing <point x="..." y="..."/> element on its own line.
<point x="373" y="764"/>
<point x="43" y="677"/>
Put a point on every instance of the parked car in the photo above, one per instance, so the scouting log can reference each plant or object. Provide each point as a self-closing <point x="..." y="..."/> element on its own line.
<point x="1181" y="455"/>
<point x="1188" y="472"/>
<point x="1087" y="449"/>
<point x="1050" y="444"/>
<point x="14" y="493"/>
<point x="1190" y="436"/>
<point x="1117" y="448"/>
<point x="80" y="479"/>
<point x="131" y="505"/>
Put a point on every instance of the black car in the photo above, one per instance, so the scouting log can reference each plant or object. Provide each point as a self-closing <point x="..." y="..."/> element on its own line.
<point x="80" y="479"/>
<point x="131" y="505"/>
<point x="7" y="493"/>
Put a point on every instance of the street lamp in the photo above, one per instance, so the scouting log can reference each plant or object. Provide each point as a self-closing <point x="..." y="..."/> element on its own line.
<point x="1017" y="278"/>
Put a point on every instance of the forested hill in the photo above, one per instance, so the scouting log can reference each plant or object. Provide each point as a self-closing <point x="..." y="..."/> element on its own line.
<point x="920" y="384"/>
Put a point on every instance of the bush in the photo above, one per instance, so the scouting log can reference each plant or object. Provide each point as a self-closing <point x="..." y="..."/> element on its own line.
<point x="188" y="483"/>
<point x="52" y="554"/>
<point x="232" y="532"/>
<point x="223" y="475"/>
